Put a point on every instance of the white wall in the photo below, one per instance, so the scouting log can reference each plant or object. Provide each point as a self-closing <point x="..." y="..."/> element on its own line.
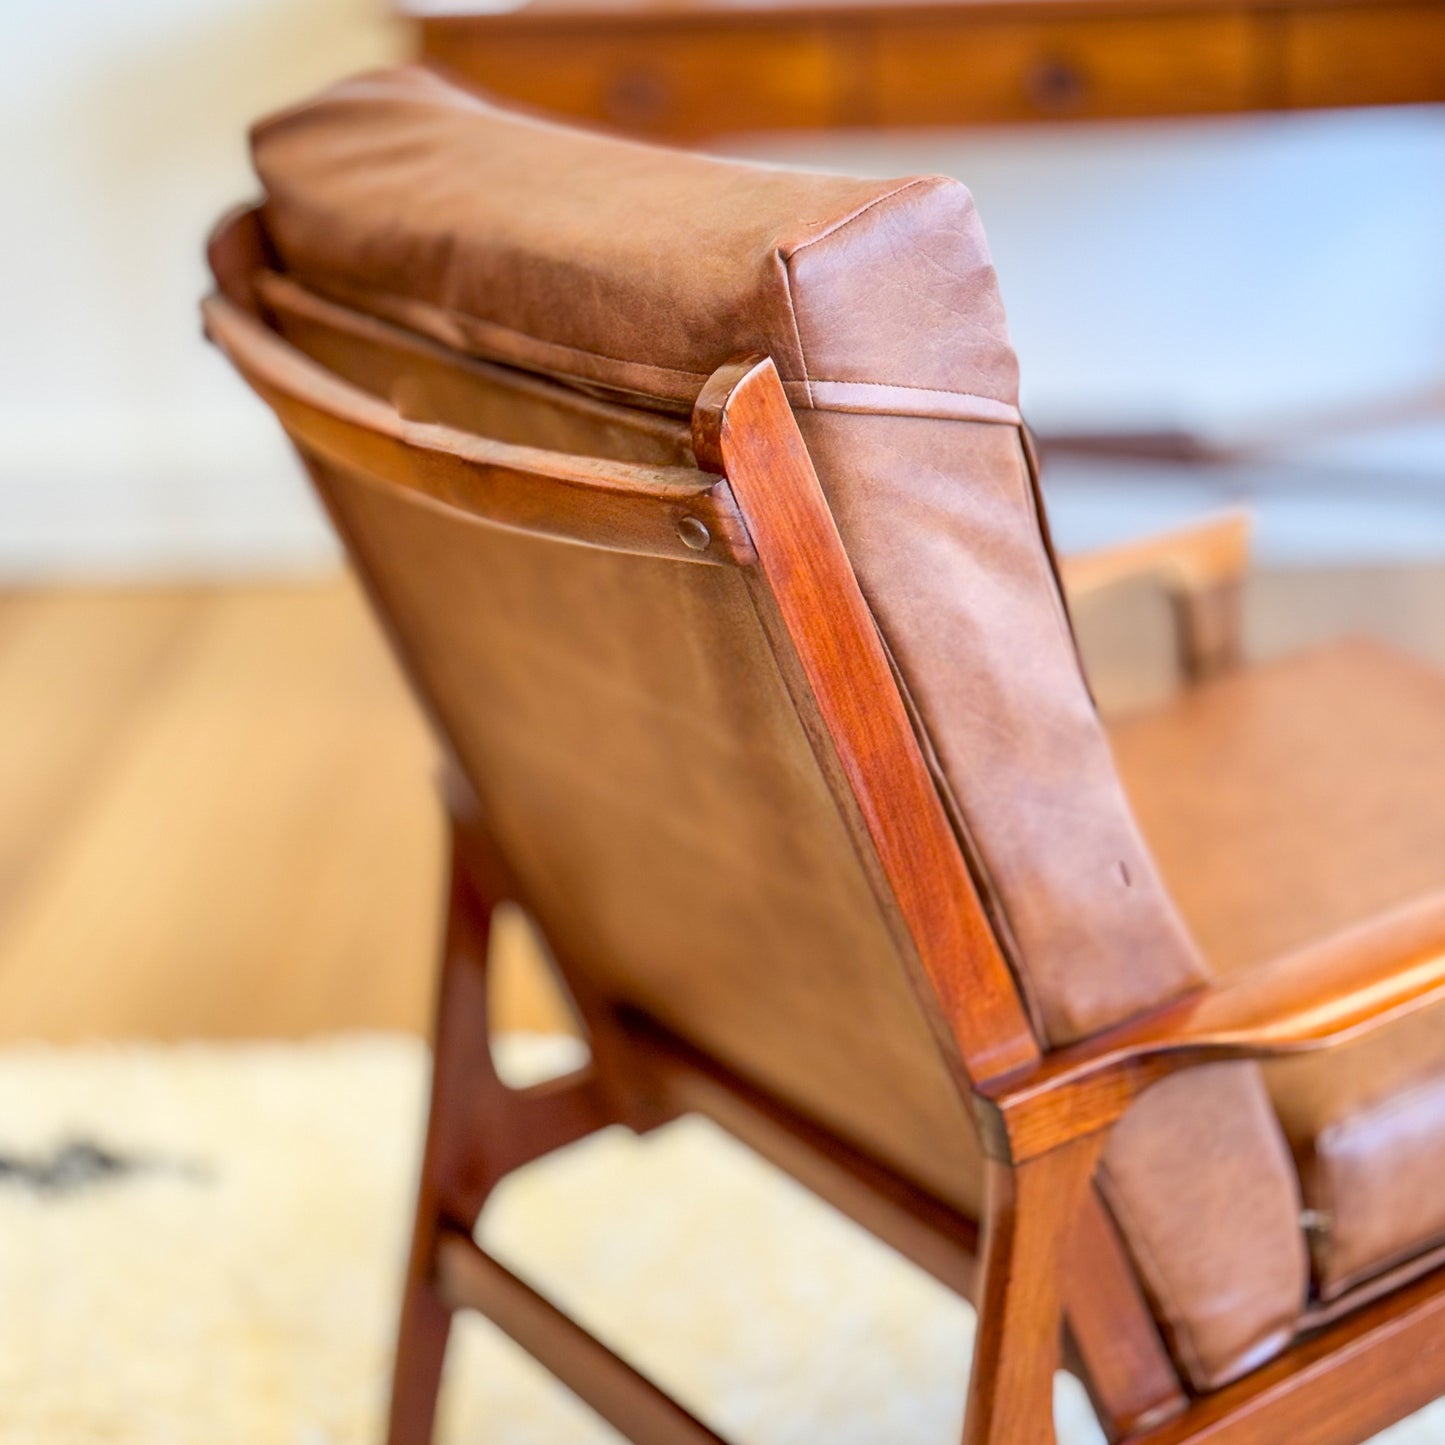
<point x="1208" y="273"/>
<point x="126" y="445"/>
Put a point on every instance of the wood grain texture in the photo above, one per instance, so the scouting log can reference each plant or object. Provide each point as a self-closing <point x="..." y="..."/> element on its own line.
<point x="1032" y="1214"/>
<point x="1316" y="998"/>
<point x="957" y="70"/>
<point x="1346" y="1383"/>
<point x="664" y="81"/>
<point x="827" y="643"/>
<point x="686" y="71"/>
<point x="1363" y="55"/>
<point x="113" y="727"/>
<point x="217" y="821"/>
<point x="672" y="512"/>
<point x="478" y="1131"/>
<point x="1121" y="1355"/>
<point x="215" y="818"/>
<point x="922" y="1229"/>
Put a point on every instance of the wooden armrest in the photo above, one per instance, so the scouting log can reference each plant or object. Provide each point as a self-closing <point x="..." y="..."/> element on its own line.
<point x="625" y="506"/>
<point x="1316" y="998"/>
<point x="1201" y="567"/>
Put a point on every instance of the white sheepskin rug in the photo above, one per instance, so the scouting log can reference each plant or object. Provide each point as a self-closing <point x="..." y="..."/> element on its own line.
<point x="203" y="1243"/>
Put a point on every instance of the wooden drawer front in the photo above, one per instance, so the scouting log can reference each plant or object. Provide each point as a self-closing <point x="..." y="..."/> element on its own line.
<point x="940" y="73"/>
<point x="681" y="83"/>
<point x="1364" y="55"/>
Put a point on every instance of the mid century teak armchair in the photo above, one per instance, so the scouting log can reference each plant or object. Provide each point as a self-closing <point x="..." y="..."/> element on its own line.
<point x="696" y="503"/>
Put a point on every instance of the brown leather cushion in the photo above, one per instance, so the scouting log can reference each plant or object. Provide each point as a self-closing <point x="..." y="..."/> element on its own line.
<point x="1286" y="803"/>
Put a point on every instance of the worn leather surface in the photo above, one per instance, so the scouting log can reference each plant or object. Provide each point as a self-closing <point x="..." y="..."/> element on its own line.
<point x="1285" y="804"/>
<point x="640" y="764"/>
<point x="640" y="271"/>
<point x="640" y="812"/>
<point x="1218" y="1245"/>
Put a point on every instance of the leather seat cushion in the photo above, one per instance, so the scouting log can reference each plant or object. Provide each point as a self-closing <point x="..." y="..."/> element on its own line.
<point x="1287" y="803"/>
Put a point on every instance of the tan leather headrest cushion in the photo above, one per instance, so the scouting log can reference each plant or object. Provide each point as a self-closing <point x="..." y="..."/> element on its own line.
<point x="630" y="267"/>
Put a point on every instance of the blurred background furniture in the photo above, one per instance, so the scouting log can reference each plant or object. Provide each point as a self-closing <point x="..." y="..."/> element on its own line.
<point x="689" y="70"/>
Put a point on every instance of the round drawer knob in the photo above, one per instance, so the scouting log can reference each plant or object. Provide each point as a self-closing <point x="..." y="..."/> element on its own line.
<point x="637" y="97"/>
<point x="1056" y="85"/>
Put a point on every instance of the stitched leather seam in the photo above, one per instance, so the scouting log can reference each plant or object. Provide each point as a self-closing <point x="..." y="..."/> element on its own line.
<point x="787" y="258"/>
<point x="974" y="861"/>
<point x="398" y="305"/>
<point x="853" y="215"/>
<point x="787" y="265"/>
<point x="904" y="386"/>
<point x="1027" y="499"/>
<point x="406" y="303"/>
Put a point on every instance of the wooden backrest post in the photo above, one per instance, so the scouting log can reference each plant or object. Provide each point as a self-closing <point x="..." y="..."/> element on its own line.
<point x="839" y="675"/>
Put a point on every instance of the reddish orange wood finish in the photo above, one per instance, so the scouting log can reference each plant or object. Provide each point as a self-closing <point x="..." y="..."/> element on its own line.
<point x="1121" y="1357"/>
<point x="686" y="71"/>
<point x="1049" y="1248"/>
<point x="1317" y="998"/>
<point x="925" y="1230"/>
<point x="604" y="504"/>
<point x="1047" y="1251"/>
<point x="1032" y="1211"/>
<point x="834" y="661"/>
<point x="467" y="1277"/>
<point x="1385" y="54"/>
<point x="1347" y="1383"/>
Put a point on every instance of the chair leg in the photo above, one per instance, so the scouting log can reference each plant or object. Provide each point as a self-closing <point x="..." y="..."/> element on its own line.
<point x="1029" y="1212"/>
<point x="478" y="1129"/>
<point x="421" y="1347"/>
<point x="455" y="1178"/>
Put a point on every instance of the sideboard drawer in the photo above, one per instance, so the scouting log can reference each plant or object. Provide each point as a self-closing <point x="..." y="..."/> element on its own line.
<point x="941" y="71"/>
<point x="680" y="81"/>
<point x="1364" y="55"/>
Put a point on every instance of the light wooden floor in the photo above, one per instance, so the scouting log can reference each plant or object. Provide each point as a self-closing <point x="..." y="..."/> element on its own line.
<point x="216" y="814"/>
<point x="215" y="817"/>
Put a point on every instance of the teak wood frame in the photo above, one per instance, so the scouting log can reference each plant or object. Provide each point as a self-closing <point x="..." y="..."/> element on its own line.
<point x="1043" y="1265"/>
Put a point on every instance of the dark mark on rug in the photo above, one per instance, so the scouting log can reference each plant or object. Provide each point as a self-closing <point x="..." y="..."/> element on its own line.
<point x="80" y="1164"/>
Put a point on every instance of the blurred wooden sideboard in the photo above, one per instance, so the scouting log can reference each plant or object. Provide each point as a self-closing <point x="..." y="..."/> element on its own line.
<point x="686" y="69"/>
